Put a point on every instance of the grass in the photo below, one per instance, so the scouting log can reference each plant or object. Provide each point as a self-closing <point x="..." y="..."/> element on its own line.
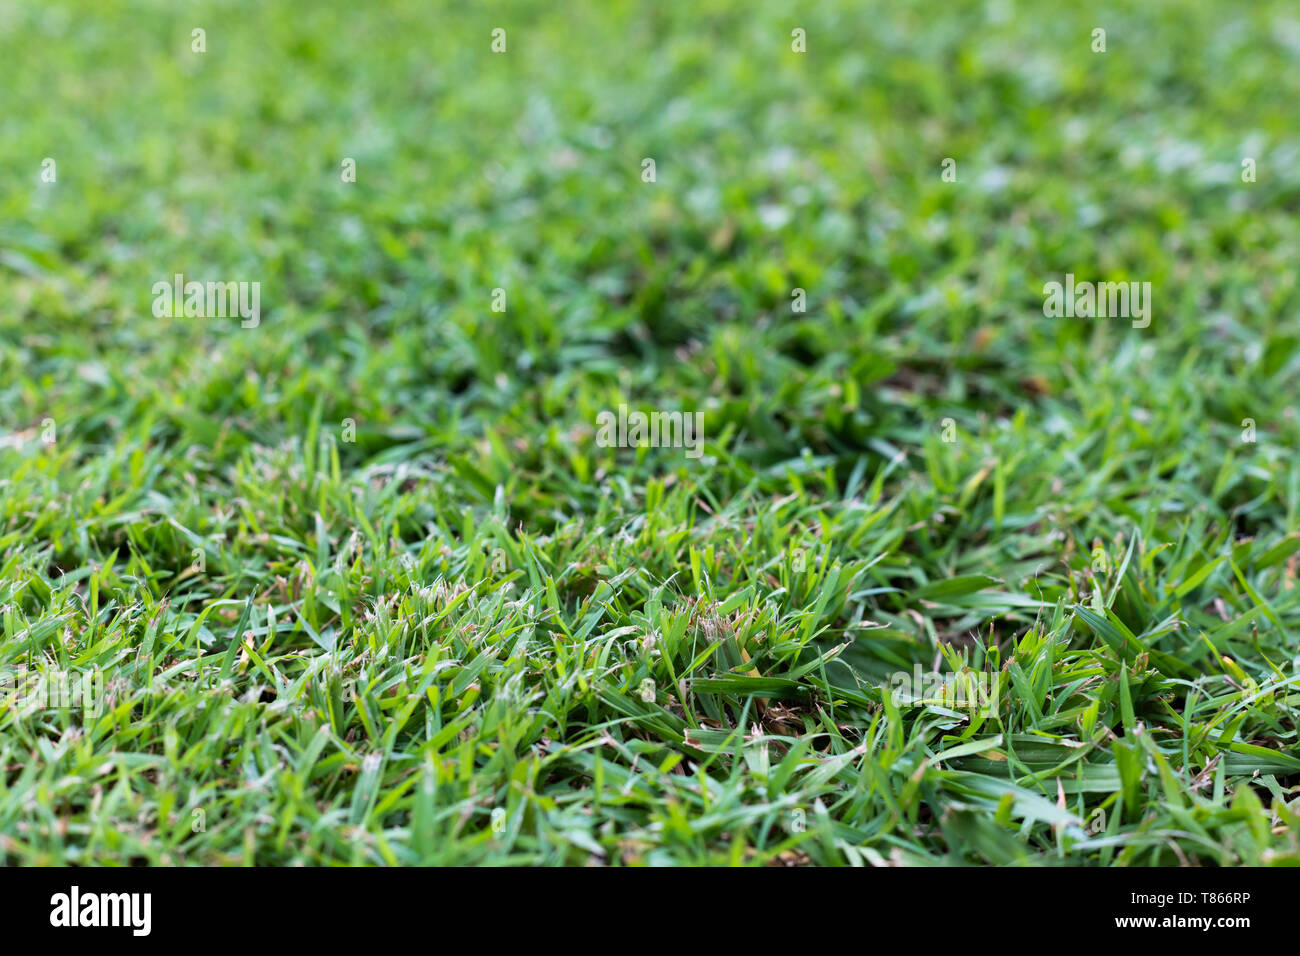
<point x="361" y="587"/>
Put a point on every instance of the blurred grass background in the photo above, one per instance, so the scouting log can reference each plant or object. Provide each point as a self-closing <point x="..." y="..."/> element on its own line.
<point x="522" y="171"/>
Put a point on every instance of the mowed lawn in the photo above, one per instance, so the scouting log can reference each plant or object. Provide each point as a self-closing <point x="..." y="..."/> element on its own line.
<point x="357" y="579"/>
